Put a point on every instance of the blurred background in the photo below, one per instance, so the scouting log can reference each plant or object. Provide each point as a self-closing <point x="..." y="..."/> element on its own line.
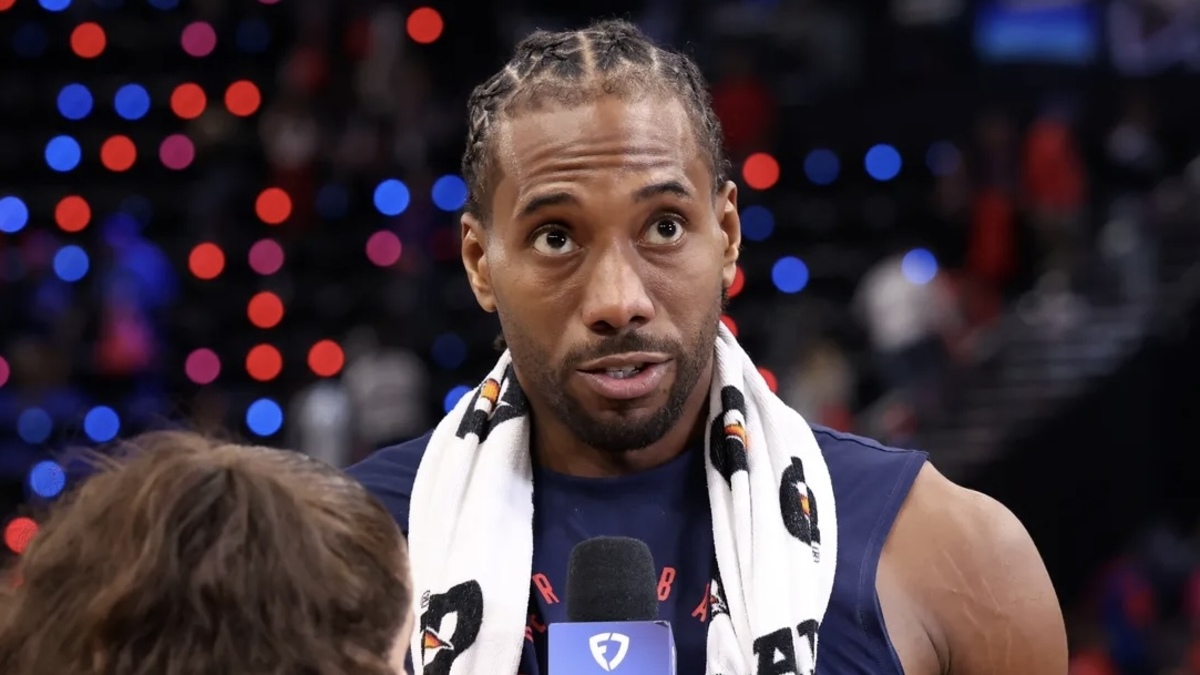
<point x="973" y="227"/>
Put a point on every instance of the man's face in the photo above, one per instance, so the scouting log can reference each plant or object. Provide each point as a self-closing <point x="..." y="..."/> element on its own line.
<point x="606" y="258"/>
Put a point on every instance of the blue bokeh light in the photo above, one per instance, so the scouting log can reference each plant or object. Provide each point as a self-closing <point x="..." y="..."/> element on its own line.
<point x="63" y="153"/>
<point x="264" y="417"/>
<point x="71" y="263"/>
<point x="132" y="102"/>
<point x="392" y="197"/>
<point x="101" y="424"/>
<point x="47" y="479"/>
<point x="789" y="274"/>
<point x="919" y="266"/>
<point x="14" y="215"/>
<point x="34" y="425"/>
<point x="454" y="396"/>
<point x="822" y="166"/>
<point x="883" y="162"/>
<point x="449" y="193"/>
<point x="75" y="101"/>
<point x="757" y="222"/>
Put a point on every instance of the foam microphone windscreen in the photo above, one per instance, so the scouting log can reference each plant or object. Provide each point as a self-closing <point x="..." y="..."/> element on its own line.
<point x="611" y="579"/>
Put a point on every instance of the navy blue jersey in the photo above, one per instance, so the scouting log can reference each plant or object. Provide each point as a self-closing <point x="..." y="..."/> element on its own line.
<point x="667" y="508"/>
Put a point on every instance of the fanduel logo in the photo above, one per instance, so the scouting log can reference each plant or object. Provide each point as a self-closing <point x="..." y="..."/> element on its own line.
<point x="599" y="644"/>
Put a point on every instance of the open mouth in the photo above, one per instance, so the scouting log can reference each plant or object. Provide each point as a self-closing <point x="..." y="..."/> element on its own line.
<point x="620" y="373"/>
<point x="632" y="379"/>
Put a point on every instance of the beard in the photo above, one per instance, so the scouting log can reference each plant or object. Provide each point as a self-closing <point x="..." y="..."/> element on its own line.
<point x="617" y="430"/>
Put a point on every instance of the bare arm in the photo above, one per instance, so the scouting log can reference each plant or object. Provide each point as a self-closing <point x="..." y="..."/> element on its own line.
<point x="986" y="600"/>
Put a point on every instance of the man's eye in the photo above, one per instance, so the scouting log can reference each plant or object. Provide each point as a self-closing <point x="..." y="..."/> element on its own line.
<point x="554" y="241"/>
<point x="664" y="231"/>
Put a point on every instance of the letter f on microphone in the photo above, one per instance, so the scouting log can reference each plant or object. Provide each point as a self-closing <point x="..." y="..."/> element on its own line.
<point x="600" y="651"/>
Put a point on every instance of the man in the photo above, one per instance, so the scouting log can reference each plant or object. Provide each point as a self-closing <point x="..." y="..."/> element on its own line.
<point x="601" y="229"/>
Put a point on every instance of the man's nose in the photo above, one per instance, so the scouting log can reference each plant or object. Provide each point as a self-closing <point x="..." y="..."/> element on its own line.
<point x="615" y="298"/>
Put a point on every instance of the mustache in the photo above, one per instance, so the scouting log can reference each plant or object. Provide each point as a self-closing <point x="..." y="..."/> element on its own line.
<point x="621" y="344"/>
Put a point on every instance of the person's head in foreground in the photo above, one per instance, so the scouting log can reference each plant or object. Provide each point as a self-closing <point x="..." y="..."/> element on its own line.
<point x="185" y="556"/>
<point x="601" y="227"/>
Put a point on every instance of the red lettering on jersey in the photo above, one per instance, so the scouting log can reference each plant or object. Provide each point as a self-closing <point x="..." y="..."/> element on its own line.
<point x="528" y="634"/>
<point x="664" y="583"/>
<point x="543" y="585"/>
<point x="536" y="623"/>
<point x="701" y="611"/>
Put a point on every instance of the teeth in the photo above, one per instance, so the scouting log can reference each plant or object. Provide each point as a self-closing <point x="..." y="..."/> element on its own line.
<point x="622" y="373"/>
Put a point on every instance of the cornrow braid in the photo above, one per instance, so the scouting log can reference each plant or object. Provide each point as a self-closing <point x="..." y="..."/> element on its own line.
<point x="574" y="67"/>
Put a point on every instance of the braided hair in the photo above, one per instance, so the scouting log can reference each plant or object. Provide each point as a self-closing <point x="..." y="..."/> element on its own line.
<point x="572" y="68"/>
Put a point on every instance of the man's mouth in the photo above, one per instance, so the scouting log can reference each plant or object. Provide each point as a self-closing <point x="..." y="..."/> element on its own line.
<point x="624" y="372"/>
<point x="625" y="376"/>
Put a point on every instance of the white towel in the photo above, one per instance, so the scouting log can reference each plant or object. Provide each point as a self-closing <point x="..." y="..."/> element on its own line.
<point x="471" y="529"/>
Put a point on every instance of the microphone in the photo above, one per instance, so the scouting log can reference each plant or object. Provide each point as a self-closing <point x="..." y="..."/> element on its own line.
<point x="612" y="613"/>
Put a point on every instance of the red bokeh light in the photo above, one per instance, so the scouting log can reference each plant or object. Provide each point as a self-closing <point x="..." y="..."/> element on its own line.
<point x="206" y="261"/>
<point x="88" y="40"/>
<point x="425" y="25"/>
<point x="760" y="171"/>
<point x="265" y="310"/>
<point x="72" y="214"/>
<point x="264" y="363"/>
<point x="18" y="533"/>
<point x="273" y="206"/>
<point x="326" y="358"/>
<point x="118" y="153"/>
<point x="242" y="98"/>
<point x="188" y="101"/>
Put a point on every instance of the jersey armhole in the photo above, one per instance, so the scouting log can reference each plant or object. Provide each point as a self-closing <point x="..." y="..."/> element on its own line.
<point x="870" y="611"/>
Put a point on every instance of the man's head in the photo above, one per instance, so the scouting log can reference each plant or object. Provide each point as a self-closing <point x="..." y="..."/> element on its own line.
<point x="601" y="228"/>
<point x="188" y="556"/>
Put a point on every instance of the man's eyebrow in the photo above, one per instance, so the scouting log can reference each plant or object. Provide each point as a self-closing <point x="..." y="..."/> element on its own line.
<point x="669" y="187"/>
<point x="538" y="202"/>
<point x="542" y="201"/>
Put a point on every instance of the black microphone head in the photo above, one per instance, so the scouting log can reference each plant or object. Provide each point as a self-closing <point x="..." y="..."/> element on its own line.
<point x="611" y="579"/>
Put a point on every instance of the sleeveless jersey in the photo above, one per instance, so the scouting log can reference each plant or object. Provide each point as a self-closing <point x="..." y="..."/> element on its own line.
<point x="667" y="507"/>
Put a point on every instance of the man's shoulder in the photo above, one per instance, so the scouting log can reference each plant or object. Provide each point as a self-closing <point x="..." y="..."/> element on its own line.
<point x="976" y="577"/>
<point x="389" y="474"/>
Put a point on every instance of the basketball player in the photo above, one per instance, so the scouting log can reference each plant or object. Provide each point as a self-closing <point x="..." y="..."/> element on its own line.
<point x="600" y="222"/>
<point x="187" y="556"/>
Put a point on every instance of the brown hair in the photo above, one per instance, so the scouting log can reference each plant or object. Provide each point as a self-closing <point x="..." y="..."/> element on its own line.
<point x="187" y="556"/>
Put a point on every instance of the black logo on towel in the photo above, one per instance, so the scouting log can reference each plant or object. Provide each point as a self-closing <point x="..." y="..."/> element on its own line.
<point x="799" y="507"/>
<point x="489" y="409"/>
<point x="776" y="652"/>
<point x="444" y="640"/>
<point x="727" y="440"/>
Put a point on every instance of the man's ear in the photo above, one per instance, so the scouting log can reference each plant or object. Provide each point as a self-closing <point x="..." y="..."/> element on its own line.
<point x="474" y="257"/>
<point x="730" y="224"/>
